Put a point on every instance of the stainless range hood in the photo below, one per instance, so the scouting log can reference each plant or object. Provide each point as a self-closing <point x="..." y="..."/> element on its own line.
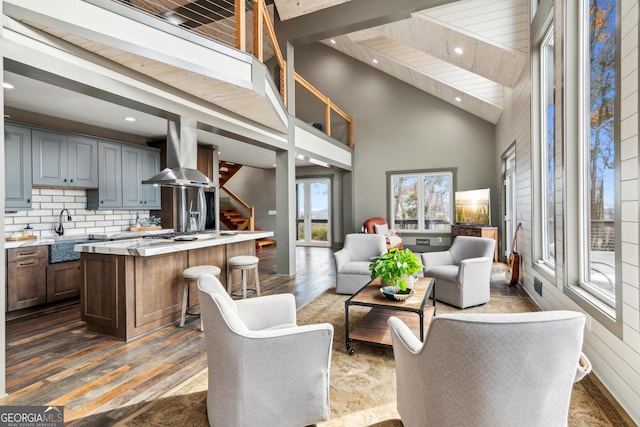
<point x="182" y="158"/>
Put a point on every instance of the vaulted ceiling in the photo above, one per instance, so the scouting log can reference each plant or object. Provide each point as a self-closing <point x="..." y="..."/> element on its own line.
<point x="469" y="53"/>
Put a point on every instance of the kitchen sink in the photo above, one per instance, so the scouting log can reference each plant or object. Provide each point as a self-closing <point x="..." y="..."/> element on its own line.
<point x="62" y="250"/>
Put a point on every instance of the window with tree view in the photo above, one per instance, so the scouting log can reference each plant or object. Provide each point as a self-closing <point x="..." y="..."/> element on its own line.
<point x="599" y="151"/>
<point x="422" y="201"/>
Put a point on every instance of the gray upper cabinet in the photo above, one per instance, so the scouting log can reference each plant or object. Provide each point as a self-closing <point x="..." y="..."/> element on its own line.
<point x="83" y="162"/>
<point x="131" y="176"/>
<point x="150" y="167"/>
<point x="64" y="160"/>
<point x="139" y="164"/>
<point x="109" y="193"/>
<point x="17" y="167"/>
<point x="121" y="170"/>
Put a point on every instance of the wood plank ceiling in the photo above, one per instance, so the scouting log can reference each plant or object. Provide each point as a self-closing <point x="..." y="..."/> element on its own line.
<point x="492" y="36"/>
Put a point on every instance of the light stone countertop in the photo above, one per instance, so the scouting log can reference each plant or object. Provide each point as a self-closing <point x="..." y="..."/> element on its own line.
<point x="109" y="236"/>
<point x="129" y="234"/>
<point x="150" y="247"/>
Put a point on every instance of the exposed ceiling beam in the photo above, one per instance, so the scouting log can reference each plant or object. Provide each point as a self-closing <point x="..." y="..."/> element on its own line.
<point x="482" y="108"/>
<point x="354" y="15"/>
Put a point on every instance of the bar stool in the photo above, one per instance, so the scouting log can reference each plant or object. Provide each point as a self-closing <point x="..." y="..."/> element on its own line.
<point x="194" y="273"/>
<point x="242" y="263"/>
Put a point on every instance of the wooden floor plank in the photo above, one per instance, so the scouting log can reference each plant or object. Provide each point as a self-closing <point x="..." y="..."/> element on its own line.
<point x="52" y="359"/>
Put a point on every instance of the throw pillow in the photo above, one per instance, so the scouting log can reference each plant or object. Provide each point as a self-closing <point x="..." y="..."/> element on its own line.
<point x="381" y="228"/>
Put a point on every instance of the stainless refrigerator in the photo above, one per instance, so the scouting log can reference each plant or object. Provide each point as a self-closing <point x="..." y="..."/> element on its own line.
<point x="191" y="207"/>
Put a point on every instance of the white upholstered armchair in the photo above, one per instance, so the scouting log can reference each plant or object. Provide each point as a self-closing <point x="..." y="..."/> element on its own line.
<point x="489" y="369"/>
<point x="353" y="260"/>
<point x="462" y="273"/>
<point x="263" y="369"/>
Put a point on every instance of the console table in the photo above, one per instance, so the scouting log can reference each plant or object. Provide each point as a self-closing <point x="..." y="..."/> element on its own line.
<point x="477" y="231"/>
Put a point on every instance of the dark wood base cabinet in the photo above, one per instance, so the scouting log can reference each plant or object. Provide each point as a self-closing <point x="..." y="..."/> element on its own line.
<point x="127" y="296"/>
<point x="63" y="280"/>
<point x="32" y="281"/>
<point x="26" y="277"/>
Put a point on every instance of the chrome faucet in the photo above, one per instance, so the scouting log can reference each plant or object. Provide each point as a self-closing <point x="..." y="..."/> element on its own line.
<point x="60" y="229"/>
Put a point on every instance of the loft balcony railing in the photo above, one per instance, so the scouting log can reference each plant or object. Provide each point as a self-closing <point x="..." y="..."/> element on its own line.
<point x="225" y="21"/>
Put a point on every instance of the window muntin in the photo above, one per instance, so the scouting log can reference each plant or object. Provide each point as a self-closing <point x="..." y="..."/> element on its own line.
<point x="598" y="151"/>
<point x="547" y="148"/>
<point x="422" y="201"/>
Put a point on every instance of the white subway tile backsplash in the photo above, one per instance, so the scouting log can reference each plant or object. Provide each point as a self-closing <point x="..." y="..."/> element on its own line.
<point x="75" y="205"/>
<point x="51" y="191"/>
<point x="41" y="198"/>
<point x="47" y="204"/>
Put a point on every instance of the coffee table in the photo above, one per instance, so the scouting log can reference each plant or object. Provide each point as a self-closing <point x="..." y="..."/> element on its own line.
<point x="373" y="328"/>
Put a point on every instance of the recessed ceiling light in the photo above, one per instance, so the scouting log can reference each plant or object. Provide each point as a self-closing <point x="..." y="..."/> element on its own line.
<point x="130" y="119"/>
<point x="458" y="99"/>
<point x="458" y="50"/>
<point x="333" y="41"/>
<point x="6" y="85"/>
<point x="375" y="61"/>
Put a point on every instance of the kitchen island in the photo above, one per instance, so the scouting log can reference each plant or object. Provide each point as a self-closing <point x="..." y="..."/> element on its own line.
<point x="132" y="287"/>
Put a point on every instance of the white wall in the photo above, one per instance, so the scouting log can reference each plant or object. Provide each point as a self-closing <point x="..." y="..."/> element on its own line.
<point x="616" y="361"/>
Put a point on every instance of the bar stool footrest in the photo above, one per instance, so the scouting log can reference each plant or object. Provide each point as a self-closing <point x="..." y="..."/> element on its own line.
<point x="238" y="292"/>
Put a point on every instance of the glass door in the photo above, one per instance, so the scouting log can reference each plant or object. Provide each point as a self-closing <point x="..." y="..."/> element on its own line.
<point x="313" y="214"/>
<point x="509" y="201"/>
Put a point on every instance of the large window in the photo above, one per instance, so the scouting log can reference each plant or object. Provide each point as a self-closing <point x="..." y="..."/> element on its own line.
<point x="598" y="150"/>
<point x="421" y="201"/>
<point x="547" y="148"/>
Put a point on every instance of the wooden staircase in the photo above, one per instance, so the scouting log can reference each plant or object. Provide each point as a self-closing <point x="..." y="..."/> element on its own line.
<point x="230" y="216"/>
<point x="234" y="219"/>
<point x="227" y="171"/>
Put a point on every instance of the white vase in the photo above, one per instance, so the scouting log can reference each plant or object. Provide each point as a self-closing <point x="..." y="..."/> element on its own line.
<point x="408" y="280"/>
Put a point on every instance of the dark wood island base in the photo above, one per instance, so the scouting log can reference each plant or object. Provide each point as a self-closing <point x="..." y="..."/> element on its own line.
<point x="127" y="296"/>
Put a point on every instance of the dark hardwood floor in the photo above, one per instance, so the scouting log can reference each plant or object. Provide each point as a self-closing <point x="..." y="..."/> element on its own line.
<point x="53" y="360"/>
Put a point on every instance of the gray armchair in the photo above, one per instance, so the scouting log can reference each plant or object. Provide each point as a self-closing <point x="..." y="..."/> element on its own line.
<point x="489" y="369"/>
<point x="263" y="369"/>
<point x="353" y="260"/>
<point x="463" y="273"/>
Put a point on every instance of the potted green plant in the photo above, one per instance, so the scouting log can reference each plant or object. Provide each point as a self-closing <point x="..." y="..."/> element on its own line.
<point x="395" y="268"/>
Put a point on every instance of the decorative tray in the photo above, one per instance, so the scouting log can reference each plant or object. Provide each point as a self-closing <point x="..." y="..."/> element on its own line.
<point x="393" y="293"/>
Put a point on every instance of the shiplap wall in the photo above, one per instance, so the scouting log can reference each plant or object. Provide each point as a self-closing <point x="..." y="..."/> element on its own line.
<point x="616" y="361"/>
<point x="45" y="213"/>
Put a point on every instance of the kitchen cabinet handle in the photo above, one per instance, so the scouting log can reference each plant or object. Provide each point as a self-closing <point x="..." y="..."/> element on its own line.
<point x="27" y="263"/>
<point x="64" y="180"/>
<point x="26" y="253"/>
